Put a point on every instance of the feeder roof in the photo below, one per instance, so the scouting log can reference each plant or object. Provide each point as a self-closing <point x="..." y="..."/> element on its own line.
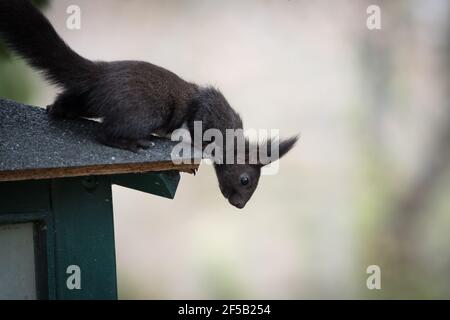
<point x="35" y="146"/>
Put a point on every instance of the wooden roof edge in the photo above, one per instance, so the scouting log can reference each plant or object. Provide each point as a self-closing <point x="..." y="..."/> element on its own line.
<point x="108" y="169"/>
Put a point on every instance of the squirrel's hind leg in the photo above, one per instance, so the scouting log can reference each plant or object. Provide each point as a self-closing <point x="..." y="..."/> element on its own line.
<point x="127" y="132"/>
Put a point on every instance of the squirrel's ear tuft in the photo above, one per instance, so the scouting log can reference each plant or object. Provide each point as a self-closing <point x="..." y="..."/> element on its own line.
<point x="286" y="146"/>
<point x="283" y="146"/>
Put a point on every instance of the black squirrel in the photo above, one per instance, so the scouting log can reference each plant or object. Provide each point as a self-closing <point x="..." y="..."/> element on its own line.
<point x="134" y="99"/>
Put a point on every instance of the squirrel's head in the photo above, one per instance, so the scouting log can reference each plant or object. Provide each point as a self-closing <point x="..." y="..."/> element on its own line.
<point x="238" y="182"/>
<point x="237" y="179"/>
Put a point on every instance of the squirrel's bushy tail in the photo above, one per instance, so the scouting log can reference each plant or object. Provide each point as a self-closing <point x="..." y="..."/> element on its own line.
<point x="29" y="33"/>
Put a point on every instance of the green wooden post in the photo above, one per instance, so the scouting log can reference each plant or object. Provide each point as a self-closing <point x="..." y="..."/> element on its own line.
<point x="84" y="238"/>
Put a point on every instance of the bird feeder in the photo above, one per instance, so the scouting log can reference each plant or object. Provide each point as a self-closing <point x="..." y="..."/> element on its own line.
<point x="56" y="210"/>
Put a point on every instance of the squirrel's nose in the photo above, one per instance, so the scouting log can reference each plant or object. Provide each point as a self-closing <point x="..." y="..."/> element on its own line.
<point x="240" y="205"/>
<point x="236" y="203"/>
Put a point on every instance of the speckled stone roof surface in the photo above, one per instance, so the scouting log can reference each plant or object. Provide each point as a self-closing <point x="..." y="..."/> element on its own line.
<point x="31" y="140"/>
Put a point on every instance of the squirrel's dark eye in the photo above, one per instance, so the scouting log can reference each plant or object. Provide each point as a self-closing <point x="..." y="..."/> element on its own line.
<point x="244" y="179"/>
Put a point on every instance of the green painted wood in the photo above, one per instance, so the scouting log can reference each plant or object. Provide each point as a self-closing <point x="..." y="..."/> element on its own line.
<point x="162" y="184"/>
<point x="25" y="196"/>
<point x="29" y="201"/>
<point x="74" y="227"/>
<point x="84" y="238"/>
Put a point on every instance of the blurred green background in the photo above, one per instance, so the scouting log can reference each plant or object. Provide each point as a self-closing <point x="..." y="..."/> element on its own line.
<point x="368" y="183"/>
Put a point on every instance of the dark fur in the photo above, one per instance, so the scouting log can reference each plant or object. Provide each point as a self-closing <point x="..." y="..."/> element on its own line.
<point x="134" y="99"/>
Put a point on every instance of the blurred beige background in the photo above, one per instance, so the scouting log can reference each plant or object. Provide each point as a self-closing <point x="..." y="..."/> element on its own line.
<point x="368" y="183"/>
